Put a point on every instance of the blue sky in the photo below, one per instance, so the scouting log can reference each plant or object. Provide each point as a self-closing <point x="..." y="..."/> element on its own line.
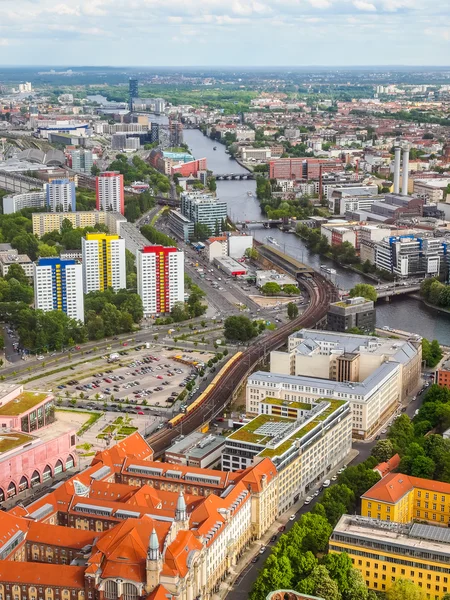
<point x="219" y="32"/>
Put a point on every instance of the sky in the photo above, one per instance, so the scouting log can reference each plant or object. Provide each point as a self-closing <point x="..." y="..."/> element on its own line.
<point x="224" y="32"/>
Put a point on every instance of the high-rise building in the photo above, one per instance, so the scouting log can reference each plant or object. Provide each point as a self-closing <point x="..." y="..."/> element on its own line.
<point x="58" y="285"/>
<point x="109" y="192"/>
<point x="204" y="209"/>
<point x="133" y="90"/>
<point x="16" y="202"/>
<point x="82" y="160"/>
<point x="103" y="262"/>
<point x="160" y="278"/>
<point x="60" y="195"/>
<point x="175" y="132"/>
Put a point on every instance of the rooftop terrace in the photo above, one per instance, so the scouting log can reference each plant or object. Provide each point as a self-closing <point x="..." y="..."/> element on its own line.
<point x="13" y="440"/>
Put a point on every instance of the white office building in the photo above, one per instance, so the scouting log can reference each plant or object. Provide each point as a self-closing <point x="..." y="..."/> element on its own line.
<point x="160" y="278"/>
<point x="58" y="285"/>
<point x="109" y="192"/>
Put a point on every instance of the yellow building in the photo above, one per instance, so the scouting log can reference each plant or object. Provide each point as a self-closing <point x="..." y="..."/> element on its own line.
<point x="385" y="552"/>
<point x="402" y="498"/>
<point x="45" y="222"/>
<point x="103" y="262"/>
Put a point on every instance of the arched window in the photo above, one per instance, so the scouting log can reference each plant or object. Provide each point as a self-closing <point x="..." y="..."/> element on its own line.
<point x="69" y="462"/>
<point x="111" y="590"/>
<point x="58" y="467"/>
<point x="47" y="473"/>
<point x="2" y="495"/>
<point x="23" y="484"/>
<point x="12" y="491"/>
<point x="35" y="478"/>
<point x="129" y="591"/>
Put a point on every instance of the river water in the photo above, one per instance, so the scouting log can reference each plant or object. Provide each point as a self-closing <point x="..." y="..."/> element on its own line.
<point x="405" y="313"/>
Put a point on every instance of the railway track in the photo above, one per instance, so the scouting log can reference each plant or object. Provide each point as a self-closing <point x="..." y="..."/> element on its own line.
<point x="321" y="293"/>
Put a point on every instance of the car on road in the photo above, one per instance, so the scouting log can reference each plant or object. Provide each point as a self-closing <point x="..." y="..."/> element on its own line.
<point x="308" y="499"/>
<point x="39" y="357"/>
<point x="326" y="483"/>
<point x="384" y="431"/>
<point x="262" y="549"/>
<point x="334" y="478"/>
<point x="316" y="493"/>
<point x="255" y="559"/>
<point x="292" y="517"/>
<point x="273" y="538"/>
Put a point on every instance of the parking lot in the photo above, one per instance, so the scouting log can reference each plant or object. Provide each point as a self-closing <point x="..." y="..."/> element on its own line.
<point x="135" y="381"/>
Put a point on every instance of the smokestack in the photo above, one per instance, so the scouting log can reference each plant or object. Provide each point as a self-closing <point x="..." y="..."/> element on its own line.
<point x="405" y="170"/>
<point x="320" y="183"/>
<point x="398" y="152"/>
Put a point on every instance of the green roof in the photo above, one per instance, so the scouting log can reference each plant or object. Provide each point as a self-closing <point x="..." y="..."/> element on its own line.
<point x="9" y="441"/>
<point x="246" y="433"/>
<point x="287" y="403"/>
<point x="22" y="403"/>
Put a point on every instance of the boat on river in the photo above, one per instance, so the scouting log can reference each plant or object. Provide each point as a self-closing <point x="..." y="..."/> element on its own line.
<point x="272" y="240"/>
<point x="214" y="147"/>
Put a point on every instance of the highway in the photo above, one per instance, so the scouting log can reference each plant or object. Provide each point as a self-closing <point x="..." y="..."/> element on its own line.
<point x="321" y="293"/>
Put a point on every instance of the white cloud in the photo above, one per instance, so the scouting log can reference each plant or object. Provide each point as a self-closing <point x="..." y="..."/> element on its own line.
<point x="365" y="6"/>
<point x="4" y="42"/>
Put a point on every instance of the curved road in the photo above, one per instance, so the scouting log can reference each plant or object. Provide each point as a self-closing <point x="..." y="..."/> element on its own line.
<point x="320" y="295"/>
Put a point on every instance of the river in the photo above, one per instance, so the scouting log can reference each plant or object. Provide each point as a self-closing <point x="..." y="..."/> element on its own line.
<point x="405" y="313"/>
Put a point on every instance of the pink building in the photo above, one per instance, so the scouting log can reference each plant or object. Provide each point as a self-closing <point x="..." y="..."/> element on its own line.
<point x="190" y="168"/>
<point x="34" y="446"/>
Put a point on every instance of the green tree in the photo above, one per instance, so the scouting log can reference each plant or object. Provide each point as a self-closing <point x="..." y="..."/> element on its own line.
<point x="292" y="310"/>
<point x="365" y="291"/>
<point x="404" y="589"/>
<point x="383" y="450"/>
<point x="45" y="250"/>
<point x="240" y="328"/>
<point x="251" y="253"/>
<point x="422" y="466"/>
<point x="16" y="272"/>
<point x="401" y="433"/>
<point x="319" y="583"/>
<point x="271" y="288"/>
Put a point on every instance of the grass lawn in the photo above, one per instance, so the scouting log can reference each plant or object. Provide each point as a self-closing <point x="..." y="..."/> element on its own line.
<point x="9" y="441"/>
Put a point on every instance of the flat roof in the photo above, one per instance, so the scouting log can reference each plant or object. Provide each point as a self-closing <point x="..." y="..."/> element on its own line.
<point x="425" y="538"/>
<point x="22" y="403"/>
<point x="12" y="440"/>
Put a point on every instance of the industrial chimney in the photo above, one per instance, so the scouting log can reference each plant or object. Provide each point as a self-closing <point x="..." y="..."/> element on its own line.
<point x="405" y="170"/>
<point x="398" y="153"/>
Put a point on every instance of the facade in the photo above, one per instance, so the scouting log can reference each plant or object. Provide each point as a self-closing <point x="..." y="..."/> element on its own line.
<point x="109" y="192"/>
<point x="160" y="278"/>
<point x="305" y="441"/>
<point x="191" y="168"/>
<point x="238" y="244"/>
<point x="82" y="160"/>
<point x="216" y="247"/>
<point x="385" y="552"/>
<point x="33" y="448"/>
<point x="94" y="537"/>
<point x="373" y="374"/>
<point x="181" y="226"/>
<point x="103" y="262"/>
<point x="45" y="222"/>
<point x="58" y="285"/>
<point x="133" y="91"/>
<point x="443" y="377"/>
<point x="353" y="312"/>
<point x="134" y="240"/>
<point x="16" y="202"/>
<point x="403" y="498"/>
<point x="352" y="199"/>
<point x="412" y="256"/>
<point x="60" y="195"/>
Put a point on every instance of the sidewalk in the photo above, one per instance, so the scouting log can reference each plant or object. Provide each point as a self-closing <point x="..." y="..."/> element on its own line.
<point x="244" y="564"/>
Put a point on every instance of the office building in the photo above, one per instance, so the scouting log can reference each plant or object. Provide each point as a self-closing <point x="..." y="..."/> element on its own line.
<point x="82" y="160"/>
<point x="60" y="195"/>
<point x="196" y="450"/>
<point x="385" y="552"/>
<point x="103" y="262"/>
<point x="403" y="498"/>
<point x="373" y="374"/>
<point x="160" y="278"/>
<point x="12" y="257"/>
<point x="412" y="255"/>
<point x="99" y="535"/>
<point x="351" y="313"/>
<point x="304" y="440"/>
<point x="45" y="222"/>
<point x="133" y="91"/>
<point x="109" y="192"/>
<point x="58" y="285"/>
<point x="16" y="202"/>
<point x="204" y="209"/>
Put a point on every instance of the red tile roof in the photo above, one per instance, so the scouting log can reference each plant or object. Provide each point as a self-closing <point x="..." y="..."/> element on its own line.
<point x="42" y="574"/>
<point x="386" y="467"/>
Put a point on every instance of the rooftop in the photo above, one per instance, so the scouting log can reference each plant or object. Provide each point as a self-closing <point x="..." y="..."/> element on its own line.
<point x="395" y="485"/>
<point x="23" y="402"/>
<point x="12" y="440"/>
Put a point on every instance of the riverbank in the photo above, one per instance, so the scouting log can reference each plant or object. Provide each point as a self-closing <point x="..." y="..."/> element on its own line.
<point x="432" y="306"/>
